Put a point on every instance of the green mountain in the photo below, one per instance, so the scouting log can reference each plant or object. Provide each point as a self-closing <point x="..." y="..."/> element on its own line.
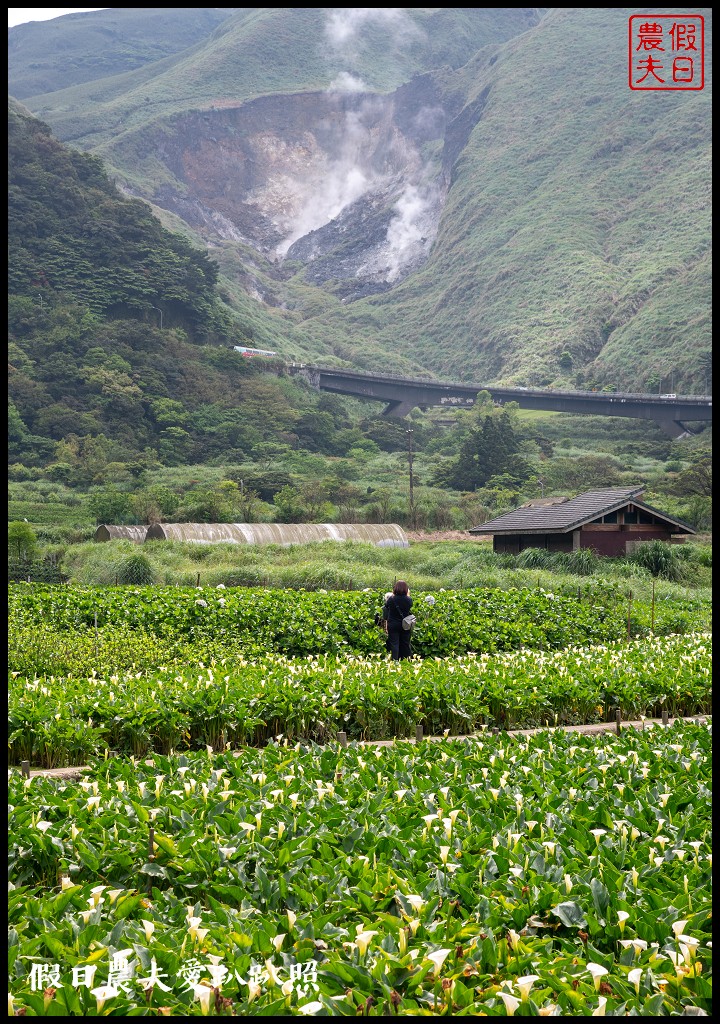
<point x="119" y="345"/>
<point x="471" y="193"/>
<point x="81" y="48"/>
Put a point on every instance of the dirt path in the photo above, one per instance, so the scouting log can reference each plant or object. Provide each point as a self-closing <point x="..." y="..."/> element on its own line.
<point x="435" y="535"/>
<point x="586" y="730"/>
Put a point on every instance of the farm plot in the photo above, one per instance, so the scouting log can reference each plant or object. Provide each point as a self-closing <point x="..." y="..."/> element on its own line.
<point x="56" y="721"/>
<point x="551" y="875"/>
<point x="297" y="623"/>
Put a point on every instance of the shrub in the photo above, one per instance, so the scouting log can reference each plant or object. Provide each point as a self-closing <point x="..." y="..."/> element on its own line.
<point x="136" y="569"/>
<point x="22" y="541"/>
<point x="660" y="559"/>
<point x="535" y="558"/>
<point x="584" y="562"/>
<point x="697" y="554"/>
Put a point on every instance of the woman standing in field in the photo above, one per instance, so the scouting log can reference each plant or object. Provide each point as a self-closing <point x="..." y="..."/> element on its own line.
<point x="397" y="606"/>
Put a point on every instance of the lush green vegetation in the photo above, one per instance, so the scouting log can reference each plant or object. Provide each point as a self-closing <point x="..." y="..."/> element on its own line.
<point x="544" y="875"/>
<point x="554" y="875"/>
<point x="127" y="403"/>
<point x="255" y="53"/>
<point x="551" y="265"/>
<point x="299" y="623"/>
<point x="71" y="50"/>
<point x="60" y="716"/>
<point x="72" y="234"/>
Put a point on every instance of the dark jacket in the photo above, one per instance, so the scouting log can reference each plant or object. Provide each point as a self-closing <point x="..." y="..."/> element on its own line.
<point x="396" y="608"/>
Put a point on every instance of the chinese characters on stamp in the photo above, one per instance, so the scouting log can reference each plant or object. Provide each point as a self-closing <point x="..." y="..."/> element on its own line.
<point x="666" y="51"/>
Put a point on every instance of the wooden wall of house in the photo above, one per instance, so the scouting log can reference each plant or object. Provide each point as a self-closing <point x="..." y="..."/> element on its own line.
<point x="611" y="541"/>
<point x="606" y="539"/>
<point x="519" y="542"/>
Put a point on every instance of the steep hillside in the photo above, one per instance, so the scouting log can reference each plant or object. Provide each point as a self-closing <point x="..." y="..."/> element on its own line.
<point x="78" y="48"/>
<point x="119" y="347"/>
<point x="474" y="193"/>
<point x="576" y="228"/>
<point x="261" y="51"/>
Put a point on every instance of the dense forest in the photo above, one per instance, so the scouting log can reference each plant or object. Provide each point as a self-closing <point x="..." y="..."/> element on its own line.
<point x="117" y="338"/>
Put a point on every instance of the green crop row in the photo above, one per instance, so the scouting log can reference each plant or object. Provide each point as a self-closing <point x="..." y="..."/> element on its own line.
<point x="59" y="721"/>
<point x="297" y="623"/>
<point x="551" y="875"/>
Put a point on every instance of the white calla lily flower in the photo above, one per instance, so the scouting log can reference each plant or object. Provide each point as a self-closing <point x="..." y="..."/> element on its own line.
<point x="203" y="994"/>
<point x="525" y="984"/>
<point x="511" y="1002"/>
<point x="598" y="972"/>
<point x="438" y="958"/>
<point x="634" y="977"/>
<point x="102" y="993"/>
<point x="363" y="939"/>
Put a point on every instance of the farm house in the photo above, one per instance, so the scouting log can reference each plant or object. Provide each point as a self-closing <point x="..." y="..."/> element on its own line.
<point x="382" y="535"/>
<point x="610" y="521"/>
<point x="134" y="533"/>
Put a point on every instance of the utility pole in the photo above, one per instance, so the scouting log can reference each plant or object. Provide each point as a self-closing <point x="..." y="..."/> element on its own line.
<point x="410" y="469"/>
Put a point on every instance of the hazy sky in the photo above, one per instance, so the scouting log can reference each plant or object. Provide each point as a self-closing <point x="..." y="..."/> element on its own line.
<point x="19" y="15"/>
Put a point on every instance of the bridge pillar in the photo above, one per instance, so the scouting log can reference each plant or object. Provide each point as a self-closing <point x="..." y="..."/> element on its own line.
<point x="674" y="428"/>
<point x="399" y="408"/>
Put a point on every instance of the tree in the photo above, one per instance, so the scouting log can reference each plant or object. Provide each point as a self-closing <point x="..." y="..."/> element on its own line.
<point x="268" y="452"/>
<point x="265" y="484"/>
<point x="22" y="541"/>
<point x="175" y="446"/>
<point x="289" y="506"/>
<point x="248" y="505"/>
<point x="567" y="475"/>
<point x="489" y="449"/>
<point x="206" y="506"/>
<point x="698" y="513"/>
<point x="153" y="504"/>
<point x="110" y="505"/>
<point x="17" y="430"/>
<point x="696" y="479"/>
<point x="317" y="432"/>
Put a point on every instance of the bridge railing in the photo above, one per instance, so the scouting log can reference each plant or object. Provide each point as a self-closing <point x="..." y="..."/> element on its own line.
<point x="506" y="388"/>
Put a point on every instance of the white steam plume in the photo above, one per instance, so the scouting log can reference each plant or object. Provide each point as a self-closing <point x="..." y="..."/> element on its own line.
<point x="345" y="82"/>
<point x="335" y="185"/>
<point x="412" y="228"/>
<point x="344" y="23"/>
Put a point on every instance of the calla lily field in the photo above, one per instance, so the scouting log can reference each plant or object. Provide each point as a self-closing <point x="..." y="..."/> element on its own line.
<point x="224" y="851"/>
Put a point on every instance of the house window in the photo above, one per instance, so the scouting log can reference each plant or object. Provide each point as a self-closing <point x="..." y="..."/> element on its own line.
<point x="645" y="518"/>
<point x="630" y="517"/>
<point x="611" y="517"/>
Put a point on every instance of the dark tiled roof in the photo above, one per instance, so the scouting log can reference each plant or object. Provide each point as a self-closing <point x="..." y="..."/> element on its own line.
<point x="571" y="514"/>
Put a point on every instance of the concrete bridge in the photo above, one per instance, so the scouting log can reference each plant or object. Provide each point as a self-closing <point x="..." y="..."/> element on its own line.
<point x="403" y="394"/>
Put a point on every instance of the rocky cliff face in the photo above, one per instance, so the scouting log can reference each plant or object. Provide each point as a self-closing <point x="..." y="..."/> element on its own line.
<point x="350" y="184"/>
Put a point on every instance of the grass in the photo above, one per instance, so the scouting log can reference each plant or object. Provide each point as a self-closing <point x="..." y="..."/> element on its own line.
<point x="353" y="565"/>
